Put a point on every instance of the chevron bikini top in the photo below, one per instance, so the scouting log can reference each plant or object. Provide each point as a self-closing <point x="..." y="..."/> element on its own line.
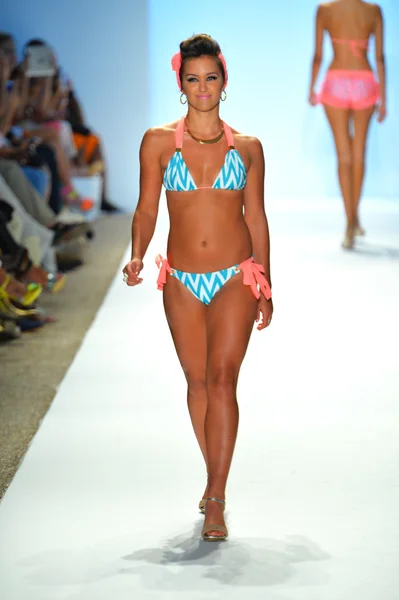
<point x="232" y="176"/>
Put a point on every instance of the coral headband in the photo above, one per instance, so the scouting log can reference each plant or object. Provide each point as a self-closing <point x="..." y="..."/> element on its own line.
<point x="176" y="66"/>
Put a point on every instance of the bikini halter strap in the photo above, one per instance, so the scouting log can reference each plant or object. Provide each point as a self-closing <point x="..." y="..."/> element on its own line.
<point x="229" y="135"/>
<point x="180" y="134"/>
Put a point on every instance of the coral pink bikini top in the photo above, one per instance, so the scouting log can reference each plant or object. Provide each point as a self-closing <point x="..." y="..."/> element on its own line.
<point x="354" y="45"/>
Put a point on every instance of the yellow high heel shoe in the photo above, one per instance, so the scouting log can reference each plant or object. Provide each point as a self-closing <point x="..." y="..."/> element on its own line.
<point x="9" y="308"/>
<point x="55" y="282"/>
<point x="214" y="527"/>
<point x="33" y="291"/>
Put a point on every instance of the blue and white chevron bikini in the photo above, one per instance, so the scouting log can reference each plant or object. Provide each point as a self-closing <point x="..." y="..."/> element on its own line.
<point x="232" y="176"/>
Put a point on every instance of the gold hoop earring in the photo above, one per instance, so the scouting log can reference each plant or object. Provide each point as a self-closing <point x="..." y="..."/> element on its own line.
<point x="223" y="98"/>
<point x="181" y="100"/>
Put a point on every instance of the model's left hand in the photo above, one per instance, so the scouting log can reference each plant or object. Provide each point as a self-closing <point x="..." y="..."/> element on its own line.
<point x="382" y="112"/>
<point x="265" y="312"/>
<point x="312" y="98"/>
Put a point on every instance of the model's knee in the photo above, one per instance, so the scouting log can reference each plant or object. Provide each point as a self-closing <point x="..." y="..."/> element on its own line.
<point x="358" y="159"/>
<point x="223" y="377"/>
<point x="345" y="159"/>
<point x="196" y="383"/>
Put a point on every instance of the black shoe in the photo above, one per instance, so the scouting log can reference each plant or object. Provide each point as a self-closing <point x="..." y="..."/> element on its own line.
<point x="108" y="207"/>
<point x="66" y="263"/>
<point x="64" y="232"/>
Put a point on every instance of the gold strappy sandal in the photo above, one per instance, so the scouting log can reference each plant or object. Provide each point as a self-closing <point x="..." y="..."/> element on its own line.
<point x="213" y="527"/>
<point x="201" y="506"/>
<point x="349" y="240"/>
<point x="359" y="231"/>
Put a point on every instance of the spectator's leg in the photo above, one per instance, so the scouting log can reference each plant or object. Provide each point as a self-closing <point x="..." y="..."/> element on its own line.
<point x="51" y="137"/>
<point x="40" y="179"/>
<point x="33" y="236"/>
<point x="98" y="156"/>
<point x="65" y="137"/>
<point x="25" y="193"/>
<point x="46" y="153"/>
<point x="8" y="244"/>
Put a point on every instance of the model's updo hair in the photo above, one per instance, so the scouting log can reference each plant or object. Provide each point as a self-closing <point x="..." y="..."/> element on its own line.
<point x="197" y="46"/>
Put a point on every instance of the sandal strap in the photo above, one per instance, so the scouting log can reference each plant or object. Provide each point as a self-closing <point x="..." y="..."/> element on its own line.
<point x="215" y="500"/>
<point x="213" y="527"/>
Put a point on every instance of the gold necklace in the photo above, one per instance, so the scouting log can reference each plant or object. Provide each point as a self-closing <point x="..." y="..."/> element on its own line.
<point x="201" y="141"/>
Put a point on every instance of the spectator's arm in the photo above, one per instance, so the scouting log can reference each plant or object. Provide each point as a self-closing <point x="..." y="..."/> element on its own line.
<point x="7" y="120"/>
<point x="57" y="96"/>
<point x="4" y="76"/>
<point x="11" y="104"/>
<point x="75" y="110"/>
<point x="19" y="153"/>
<point x="23" y="82"/>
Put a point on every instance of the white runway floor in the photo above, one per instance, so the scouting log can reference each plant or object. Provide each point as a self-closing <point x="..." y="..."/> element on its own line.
<point x="104" y="506"/>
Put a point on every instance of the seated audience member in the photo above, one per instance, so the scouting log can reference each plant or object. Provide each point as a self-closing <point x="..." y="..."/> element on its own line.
<point x="28" y="120"/>
<point x="64" y="108"/>
<point x="16" y="258"/>
<point x="90" y="152"/>
<point x="44" y="143"/>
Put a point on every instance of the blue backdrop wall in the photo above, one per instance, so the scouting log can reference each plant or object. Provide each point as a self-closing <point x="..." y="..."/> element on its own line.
<point x="104" y="47"/>
<point x="118" y="55"/>
<point x="268" y="47"/>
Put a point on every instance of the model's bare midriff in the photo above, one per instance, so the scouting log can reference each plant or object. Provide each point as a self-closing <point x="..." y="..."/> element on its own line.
<point x="207" y="230"/>
<point x="344" y="60"/>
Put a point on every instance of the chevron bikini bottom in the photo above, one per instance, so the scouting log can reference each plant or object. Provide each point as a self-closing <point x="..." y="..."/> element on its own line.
<point x="205" y="286"/>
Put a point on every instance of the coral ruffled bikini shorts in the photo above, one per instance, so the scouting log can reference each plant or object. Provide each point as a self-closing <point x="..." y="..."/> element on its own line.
<point x="353" y="89"/>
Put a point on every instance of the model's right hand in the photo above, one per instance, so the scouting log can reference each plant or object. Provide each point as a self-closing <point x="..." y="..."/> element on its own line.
<point x="132" y="270"/>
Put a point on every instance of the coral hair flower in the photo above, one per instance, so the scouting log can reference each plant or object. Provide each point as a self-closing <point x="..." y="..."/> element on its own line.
<point x="176" y="61"/>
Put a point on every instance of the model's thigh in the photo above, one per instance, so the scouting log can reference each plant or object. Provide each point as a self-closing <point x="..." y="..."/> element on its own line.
<point x="186" y="316"/>
<point x="338" y="119"/>
<point x="361" y="124"/>
<point x="230" y="322"/>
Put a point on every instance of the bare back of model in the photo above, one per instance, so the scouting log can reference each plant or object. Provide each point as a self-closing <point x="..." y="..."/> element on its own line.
<point x="350" y="92"/>
<point x="350" y="24"/>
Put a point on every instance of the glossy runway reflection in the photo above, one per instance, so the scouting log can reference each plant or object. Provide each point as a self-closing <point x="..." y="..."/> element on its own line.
<point x="105" y="503"/>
